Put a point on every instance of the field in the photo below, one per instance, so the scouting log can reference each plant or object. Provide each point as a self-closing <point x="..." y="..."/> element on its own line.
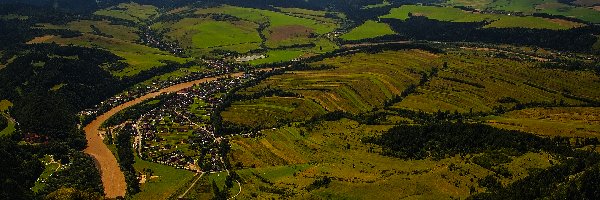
<point x="272" y="111"/>
<point x="129" y="11"/>
<point x="562" y="121"/>
<point x="204" y="189"/>
<point x="139" y="57"/>
<point x="223" y="34"/>
<point x="385" y="3"/>
<point x="473" y="83"/>
<point x="536" y="6"/>
<point x="498" y="21"/>
<point x="103" y="28"/>
<point x="163" y="182"/>
<point x="370" y="29"/>
<point x="358" y="83"/>
<point x="50" y="167"/>
<point x="278" y="56"/>
<point x="287" y="162"/>
<point x="275" y="34"/>
<point x="10" y="125"/>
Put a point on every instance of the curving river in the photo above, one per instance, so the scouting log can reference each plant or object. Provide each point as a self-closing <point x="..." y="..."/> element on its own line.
<point x="113" y="179"/>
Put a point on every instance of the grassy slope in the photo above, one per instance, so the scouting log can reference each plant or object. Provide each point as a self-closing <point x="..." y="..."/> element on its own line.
<point x="370" y="29"/>
<point x="139" y="57"/>
<point x="289" y="161"/>
<point x="129" y="11"/>
<point x="359" y="83"/>
<point x="222" y="34"/>
<point x="10" y="128"/>
<point x="486" y="80"/>
<point x="458" y="15"/>
<point x="271" y="111"/>
<point x="533" y="6"/>
<point x="169" y="180"/>
<point x="566" y="121"/>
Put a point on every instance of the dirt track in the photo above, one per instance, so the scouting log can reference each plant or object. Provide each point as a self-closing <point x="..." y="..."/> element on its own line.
<point x="112" y="176"/>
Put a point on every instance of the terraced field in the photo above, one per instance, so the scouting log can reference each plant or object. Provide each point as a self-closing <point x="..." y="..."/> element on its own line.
<point x="272" y="111"/>
<point x="359" y="82"/>
<point x="474" y="83"/>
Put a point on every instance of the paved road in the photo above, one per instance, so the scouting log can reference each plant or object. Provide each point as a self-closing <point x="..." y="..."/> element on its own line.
<point x="113" y="179"/>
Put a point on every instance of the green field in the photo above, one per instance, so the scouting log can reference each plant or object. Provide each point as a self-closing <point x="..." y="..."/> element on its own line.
<point x="269" y="112"/>
<point x="532" y="6"/>
<point x="105" y="27"/>
<point x="278" y="56"/>
<point x="285" y="162"/>
<point x="565" y="121"/>
<point x="462" y="87"/>
<point x="275" y="19"/>
<point x="213" y="34"/>
<point x="167" y="182"/>
<point x="204" y="188"/>
<point x="370" y="29"/>
<point x="359" y="83"/>
<point x="385" y="3"/>
<point x="130" y="11"/>
<point x="139" y="57"/>
<point x="10" y="124"/>
<point x="498" y="21"/>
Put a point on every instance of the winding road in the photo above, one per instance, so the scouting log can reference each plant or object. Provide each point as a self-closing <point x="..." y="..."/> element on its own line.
<point x="113" y="179"/>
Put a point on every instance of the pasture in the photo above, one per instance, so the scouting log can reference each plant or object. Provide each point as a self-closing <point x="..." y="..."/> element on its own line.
<point x="370" y="29"/>
<point x="269" y="112"/>
<point x="101" y="28"/>
<point x="561" y="121"/>
<point x="293" y="161"/>
<point x="138" y="57"/>
<point x="161" y="181"/>
<point x="475" y="83"/>
<point x="498" y="21"/>
<point x="9" y="126"/>
<point x="129" y="11"/>
<point x="358" y="83"/>
<point x="225" y="35"/>
<point x="554" y="7"/>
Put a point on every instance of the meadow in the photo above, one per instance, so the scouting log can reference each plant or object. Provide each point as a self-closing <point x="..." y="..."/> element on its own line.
<point x="559" y="121"/>
<point x="129" y="11"/>
<point x="357" y="83"/>
<point x="294" y="161"/>
<point x="474" y="83"/>
<point x="226" y="35"/>
<point x="103" y="27"/>
<point x="370" y="29"/>
<point x="10" y="124"/>
<point x="205" y="189"/>
<point x="553" y="7"/>
<point x="138" y="57"/>
<point x="163" y="181"/>
<point x="271" y="111"/>
<point x="497" y="20"/>
<point x="279" y="36"/>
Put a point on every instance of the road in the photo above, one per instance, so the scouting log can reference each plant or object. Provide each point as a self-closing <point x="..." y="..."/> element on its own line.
<point x="113" y="179"/>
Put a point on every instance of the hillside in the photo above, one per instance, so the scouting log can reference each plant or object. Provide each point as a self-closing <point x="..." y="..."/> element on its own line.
<point x="269" y="99"/>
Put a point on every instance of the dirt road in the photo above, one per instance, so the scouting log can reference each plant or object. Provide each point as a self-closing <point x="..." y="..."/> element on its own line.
<point x="112" y="176"/>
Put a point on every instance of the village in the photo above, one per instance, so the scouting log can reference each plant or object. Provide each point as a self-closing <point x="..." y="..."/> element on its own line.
<point x="179" y="132"/>
<point x="215" y="68"/>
